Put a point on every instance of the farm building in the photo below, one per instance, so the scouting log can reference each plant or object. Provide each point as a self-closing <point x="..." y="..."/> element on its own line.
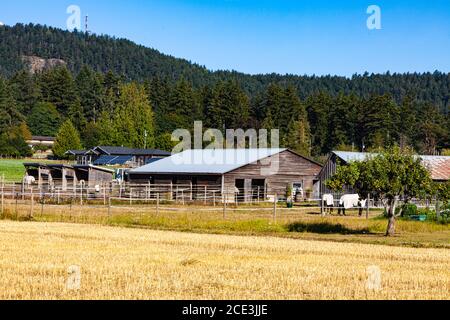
<point x="251" y="173"/>
<point x="67" y="176"/>
<point x="439" y="166"/>
<point x="110" y="156"/>
<point x="41" y="141"/>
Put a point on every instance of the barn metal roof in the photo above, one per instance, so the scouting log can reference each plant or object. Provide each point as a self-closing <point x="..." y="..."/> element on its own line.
<point x="209" y="161"/>
<point x="130" y="151"/>
<point x="353" y="156"/>
<point x="439" y="166"/>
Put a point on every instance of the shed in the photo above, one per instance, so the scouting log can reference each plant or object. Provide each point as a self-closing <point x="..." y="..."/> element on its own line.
<point x="67" y="176"/>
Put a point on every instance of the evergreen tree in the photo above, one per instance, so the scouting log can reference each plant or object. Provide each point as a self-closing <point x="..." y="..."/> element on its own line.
<point x="230" y="106"/>
<point x="318" y="107"/>
<point x="407" y="122"/>
<point x="91" y="93"/>
<point x="9" y="114"/>
<point x="66" y="139"/>
<point x="299" y="136"/>
<point x="380" y="117"/>
<point x="44" y="120"/>
<point x="25" y="91"/>
<point x="58" y="88"/>
<point x="134" y="120"/>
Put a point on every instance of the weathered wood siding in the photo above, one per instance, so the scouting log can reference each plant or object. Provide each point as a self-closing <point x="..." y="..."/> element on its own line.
<point x="282" y="170"/>
<point x="329" y="170"/>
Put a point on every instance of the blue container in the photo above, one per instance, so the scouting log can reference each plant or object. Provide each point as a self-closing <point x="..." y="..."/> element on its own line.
<point x="420" y="218"/>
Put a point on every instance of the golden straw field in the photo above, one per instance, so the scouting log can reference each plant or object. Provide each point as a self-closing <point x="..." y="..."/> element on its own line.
<point x="73" y="261"/>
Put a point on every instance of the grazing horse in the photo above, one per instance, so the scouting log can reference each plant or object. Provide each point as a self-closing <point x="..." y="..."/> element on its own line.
<point x="328" y="200"/>
<point x="349" y="201"/>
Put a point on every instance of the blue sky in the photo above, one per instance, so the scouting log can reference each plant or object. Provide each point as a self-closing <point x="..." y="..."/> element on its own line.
<point x="261" y="36"/>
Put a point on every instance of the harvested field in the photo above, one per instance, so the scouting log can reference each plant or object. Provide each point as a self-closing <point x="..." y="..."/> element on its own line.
<point x="73" y="261"/>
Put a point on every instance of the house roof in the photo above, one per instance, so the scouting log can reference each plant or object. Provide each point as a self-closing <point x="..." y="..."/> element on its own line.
<point x="89" y="166"/>
<point x="60" y="166"/>
<point x="439" y="166"/>
<point x="122" y="151"/>
<point x="43" y="138"/>
<point x="76" y="152"/>
<point x="208" y="161"/>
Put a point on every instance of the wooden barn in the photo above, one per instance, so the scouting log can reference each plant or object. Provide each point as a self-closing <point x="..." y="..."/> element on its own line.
<point x="439" y="167"/>
<point x="252" y="173"/>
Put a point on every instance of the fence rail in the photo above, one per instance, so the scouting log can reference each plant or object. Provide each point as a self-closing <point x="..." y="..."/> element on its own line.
<point x="213" y="197"/>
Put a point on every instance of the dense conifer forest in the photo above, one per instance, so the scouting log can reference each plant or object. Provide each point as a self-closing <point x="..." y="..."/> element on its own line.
<point x="114" y="92"/>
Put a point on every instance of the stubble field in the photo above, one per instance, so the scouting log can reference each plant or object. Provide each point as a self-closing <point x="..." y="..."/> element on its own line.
<point x="72" y="261"/>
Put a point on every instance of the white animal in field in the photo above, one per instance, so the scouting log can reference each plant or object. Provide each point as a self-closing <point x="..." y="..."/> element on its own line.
<point x="328" y="200"/>
<point x="29" y="180"/>
<point x="349" y="201"/>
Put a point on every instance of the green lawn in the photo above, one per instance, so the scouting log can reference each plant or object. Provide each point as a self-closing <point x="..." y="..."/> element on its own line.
<point x="14" y="169"/>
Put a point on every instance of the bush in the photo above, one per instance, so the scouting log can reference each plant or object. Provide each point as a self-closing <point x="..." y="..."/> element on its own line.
<point x="409" y="210"/>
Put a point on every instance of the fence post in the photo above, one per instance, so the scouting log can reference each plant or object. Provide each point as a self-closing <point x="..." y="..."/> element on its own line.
<point x="131" y="196"/>
<point x="224" y="206"/>
<point x="322" y="210"/>
<point x="275" y="200"/>
<point x="42" y="206"/>
<point x="258" y="195"/>
<point x="214" y="198"/>
<point x="205" y="195"/>
<point x="3" y="193"/>
<point x="32" y="204"/>
<point x="368" y="206"/>
<point x="157" y="203"/>
<point x="81" y="192"/>
<point x="109" y="206"/>
<point x="17" y="198"/>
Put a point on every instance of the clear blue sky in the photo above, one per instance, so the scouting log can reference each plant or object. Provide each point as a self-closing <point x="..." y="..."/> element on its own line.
<point x="261" y="36"/>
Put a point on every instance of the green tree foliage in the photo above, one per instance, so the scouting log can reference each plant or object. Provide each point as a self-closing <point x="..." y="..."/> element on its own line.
<point x="25" y="90"/>
<point x="66" y="139"/>
<point x="91" y="92"/>
<point x="135" y="62"/>
<point x="9" y="113"/>
<point x="58" y="87"/>
<point x="380" y="119"/>
<point x="443" y="192"/>
<point x="229" y="106"/>
<point x="44" y="119"/>
<point x="13" y="141"/>
<point x="299" y="137"/>
<point x="134" y="119"/>
<point x="164" y="142"/>
<point x="389" y="176"/>
<point x="369" y="111"/>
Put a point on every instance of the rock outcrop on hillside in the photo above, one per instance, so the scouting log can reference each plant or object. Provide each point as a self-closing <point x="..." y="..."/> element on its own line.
<point x="37" y="64"/>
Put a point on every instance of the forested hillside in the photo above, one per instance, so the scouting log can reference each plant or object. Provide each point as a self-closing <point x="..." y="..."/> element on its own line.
<point x="116" y="92"/>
